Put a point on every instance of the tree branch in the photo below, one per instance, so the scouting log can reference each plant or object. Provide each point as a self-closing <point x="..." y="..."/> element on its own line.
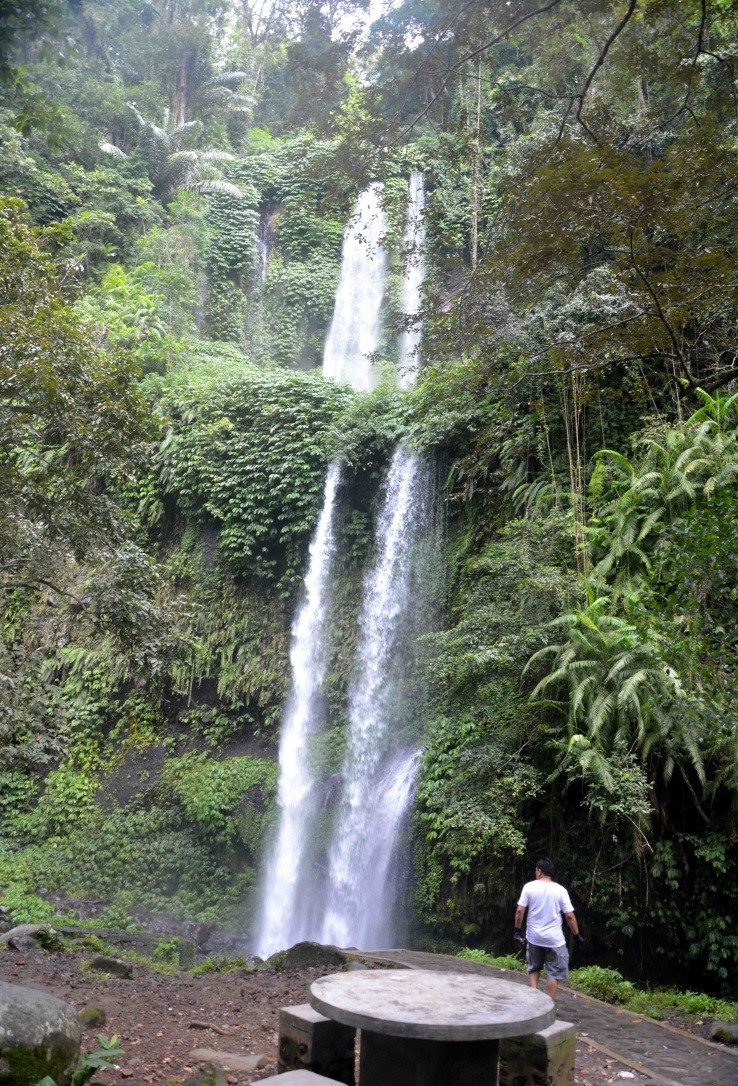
<point x="35" y="582"/>
<point x="593" y="72"/>
<point x="470" y="56"/>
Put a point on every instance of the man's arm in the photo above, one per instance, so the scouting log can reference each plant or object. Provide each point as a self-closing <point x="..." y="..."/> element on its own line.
<point x="572" y="922"/>
<point x="519" y="914"/>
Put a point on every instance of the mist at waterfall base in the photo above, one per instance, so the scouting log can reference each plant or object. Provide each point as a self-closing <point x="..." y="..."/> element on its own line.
<point x="348" y="891"/>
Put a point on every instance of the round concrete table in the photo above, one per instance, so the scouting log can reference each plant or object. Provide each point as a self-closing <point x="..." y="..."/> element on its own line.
<point x="421" y="1028"/>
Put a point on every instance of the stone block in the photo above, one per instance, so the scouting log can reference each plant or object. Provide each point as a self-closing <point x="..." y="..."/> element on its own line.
<point x="545" y="1058"/>
<point x="413" y="1061"/>
<point x="310" y="1042"/>
<point x="295" y="1078"/>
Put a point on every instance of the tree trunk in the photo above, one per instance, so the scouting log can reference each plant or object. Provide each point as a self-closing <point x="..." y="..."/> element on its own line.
<point x="180" y="110"/>
<point x="477" y="175"/>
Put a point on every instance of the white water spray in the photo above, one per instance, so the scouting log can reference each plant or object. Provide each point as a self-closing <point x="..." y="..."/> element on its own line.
<point x="280" y="922"/>
<point x="356" y="327"/>
<point x="377" y="785"/>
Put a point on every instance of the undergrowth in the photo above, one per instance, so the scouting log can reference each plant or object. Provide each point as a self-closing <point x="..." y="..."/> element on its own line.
<point x="217" y="963"/>
<point x="502" y="961"/>
<point x="610" y="986"/>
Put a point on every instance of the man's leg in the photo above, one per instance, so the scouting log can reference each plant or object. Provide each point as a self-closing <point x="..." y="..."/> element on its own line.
<point x="557" y="968"/>
<point x="535" y="956"/>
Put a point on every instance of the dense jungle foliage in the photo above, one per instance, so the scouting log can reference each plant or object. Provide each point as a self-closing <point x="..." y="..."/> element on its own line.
<point x="175" y="180"/>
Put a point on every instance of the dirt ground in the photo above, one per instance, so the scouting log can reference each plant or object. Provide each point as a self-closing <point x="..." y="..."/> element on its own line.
<point x="162" y="1019"/>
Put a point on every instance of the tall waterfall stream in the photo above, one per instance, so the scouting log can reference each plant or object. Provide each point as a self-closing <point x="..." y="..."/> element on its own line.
<point x="351" y="898"/>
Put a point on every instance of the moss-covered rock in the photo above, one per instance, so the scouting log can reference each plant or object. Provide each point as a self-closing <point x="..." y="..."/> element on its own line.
<point x="725" y="1032"/>
<point x="302" y="955"/>
<point x="115" y="967"/>
<point x="39" y="1036"/>
<point x="92" y="1017"/>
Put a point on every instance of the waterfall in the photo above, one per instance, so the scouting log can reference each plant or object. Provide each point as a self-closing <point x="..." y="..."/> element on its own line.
<point x="289" y="910"/>
<point x="262" y="260"/>
<point x="378" y="784"/>
<point x="356" y="327"/>
<point x="280" y="920"/>
<point x="356" y="902"/>
<point x="412" y="284"/>
<point x="378" y="777"/>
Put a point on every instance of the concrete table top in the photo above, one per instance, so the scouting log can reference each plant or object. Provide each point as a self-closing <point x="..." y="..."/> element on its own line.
<point x="432" y="1006"/>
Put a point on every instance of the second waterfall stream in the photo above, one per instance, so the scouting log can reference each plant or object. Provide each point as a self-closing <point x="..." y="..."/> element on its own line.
<point x="346" y="891"/>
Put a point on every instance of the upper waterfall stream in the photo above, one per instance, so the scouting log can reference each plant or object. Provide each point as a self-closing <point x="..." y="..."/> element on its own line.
<point x="412" y="284"/>
<point x="355" y="330"/>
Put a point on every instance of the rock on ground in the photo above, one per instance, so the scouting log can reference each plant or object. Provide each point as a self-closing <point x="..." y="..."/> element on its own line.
<point x="39" y="1035"/>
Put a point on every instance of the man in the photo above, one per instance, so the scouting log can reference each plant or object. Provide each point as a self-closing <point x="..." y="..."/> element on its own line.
<point x="545" y="901"/>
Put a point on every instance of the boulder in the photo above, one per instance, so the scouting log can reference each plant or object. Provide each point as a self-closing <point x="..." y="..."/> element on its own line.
<point x="25" y="936"/>
<point x="92" y="1017"/>
<point x="725" y="1032"/>
<point x="39" y="1036"/>
<point x="25" y="944"/>
<point x="116" y="967"/>
<point x="210" y="1074"/>
<point x="304" y="955"/>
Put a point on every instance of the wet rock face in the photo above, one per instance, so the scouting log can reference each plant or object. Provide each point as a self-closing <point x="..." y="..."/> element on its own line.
<point x="39" y="1035"/>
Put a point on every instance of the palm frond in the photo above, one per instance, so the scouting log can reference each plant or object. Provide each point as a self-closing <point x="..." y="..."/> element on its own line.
<point x="177" y="165"/>
<point x="111" y="149"/>
<point x="226" y="79"/>
<point x="186" y="126"/>
<point x="216" y="156"/>
<point x="214" y="187"/>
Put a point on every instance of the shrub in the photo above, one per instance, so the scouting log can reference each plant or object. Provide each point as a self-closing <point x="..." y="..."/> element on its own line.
<point x="502" y="961"/>
<point x="605" y="984"/>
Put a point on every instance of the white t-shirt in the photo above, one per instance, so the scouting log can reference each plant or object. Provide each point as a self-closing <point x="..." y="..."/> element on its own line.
<point x="545" y="901"/>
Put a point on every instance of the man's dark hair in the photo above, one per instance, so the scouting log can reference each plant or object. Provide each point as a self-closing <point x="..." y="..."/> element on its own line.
<point x="545" y="866"/>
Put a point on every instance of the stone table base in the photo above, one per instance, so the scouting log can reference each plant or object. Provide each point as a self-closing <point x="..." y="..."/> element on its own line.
<point x="404" y="1061"/>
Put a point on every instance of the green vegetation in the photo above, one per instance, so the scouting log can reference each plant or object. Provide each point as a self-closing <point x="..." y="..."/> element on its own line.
<point x="610" y="986"/>
<point x="176" y="180"/>
<point x="215" y="963"/>
<point x="504" y="961"/>
<point x="104" y="1059"/>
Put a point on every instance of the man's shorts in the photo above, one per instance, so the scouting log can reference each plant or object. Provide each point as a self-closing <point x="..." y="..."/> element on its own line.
<point x="555" y="958"/>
